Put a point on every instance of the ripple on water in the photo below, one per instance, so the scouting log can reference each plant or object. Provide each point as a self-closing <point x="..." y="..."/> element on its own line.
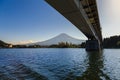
<point x="59" y="64"/>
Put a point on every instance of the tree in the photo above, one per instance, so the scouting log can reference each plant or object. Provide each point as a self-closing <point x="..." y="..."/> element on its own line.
<point x="118" y="44"/>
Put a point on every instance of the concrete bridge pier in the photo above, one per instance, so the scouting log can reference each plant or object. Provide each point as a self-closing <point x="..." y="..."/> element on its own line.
<point x="92" y="45"/>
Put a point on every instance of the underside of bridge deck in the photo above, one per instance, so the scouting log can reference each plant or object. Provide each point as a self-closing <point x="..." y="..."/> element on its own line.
<point x="83" y="14"/>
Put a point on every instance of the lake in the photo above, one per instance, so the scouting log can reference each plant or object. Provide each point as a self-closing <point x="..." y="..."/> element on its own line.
<point x="59" y="64"/>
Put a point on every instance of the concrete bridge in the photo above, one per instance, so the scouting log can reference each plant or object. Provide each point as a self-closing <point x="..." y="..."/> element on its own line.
<point x="84" y="15"/>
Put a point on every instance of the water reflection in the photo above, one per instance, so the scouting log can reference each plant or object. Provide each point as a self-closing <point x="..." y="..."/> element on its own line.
<point x="17" y="71"/>
<point x="94" y="70"/>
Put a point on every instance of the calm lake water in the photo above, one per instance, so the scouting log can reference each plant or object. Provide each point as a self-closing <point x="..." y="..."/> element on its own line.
<point x="59" y="64"/>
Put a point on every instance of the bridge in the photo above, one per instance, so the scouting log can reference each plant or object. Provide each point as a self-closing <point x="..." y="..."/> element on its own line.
<point x="84" y="15"/>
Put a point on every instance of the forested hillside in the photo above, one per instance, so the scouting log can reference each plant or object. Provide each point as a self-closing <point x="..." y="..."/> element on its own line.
<point x="111" y="42"/>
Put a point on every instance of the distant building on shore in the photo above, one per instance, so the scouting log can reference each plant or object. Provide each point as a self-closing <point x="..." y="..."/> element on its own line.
<point x="10" y="45"/>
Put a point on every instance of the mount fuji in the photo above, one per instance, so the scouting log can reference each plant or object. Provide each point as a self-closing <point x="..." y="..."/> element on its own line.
<point x="60" y="38"/>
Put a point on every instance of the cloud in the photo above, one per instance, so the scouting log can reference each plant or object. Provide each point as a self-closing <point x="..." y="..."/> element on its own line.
<point x="23" y="42"/>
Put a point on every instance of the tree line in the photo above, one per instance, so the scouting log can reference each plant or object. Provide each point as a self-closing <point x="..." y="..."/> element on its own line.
<point x="111" y="42"/>
<point x="59" y="45"/>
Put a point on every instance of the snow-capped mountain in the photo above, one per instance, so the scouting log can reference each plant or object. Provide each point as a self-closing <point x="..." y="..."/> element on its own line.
<point x="60" y="38"/>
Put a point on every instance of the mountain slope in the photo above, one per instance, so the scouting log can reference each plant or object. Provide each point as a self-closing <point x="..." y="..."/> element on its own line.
<point x="2" y="43"/>
<point x="60" y="38"/>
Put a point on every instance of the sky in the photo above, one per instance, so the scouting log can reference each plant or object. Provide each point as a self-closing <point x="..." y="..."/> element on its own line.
<point x="26" y="21"/>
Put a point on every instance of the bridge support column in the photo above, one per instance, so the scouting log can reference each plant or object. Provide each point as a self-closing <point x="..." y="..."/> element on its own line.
<point x="92" y="45"/>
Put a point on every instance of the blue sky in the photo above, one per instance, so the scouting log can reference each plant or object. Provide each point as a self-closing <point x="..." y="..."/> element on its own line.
<point x="23" y="21"/>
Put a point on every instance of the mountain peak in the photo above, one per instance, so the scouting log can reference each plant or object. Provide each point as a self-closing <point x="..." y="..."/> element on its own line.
<point x="63" y="35"/>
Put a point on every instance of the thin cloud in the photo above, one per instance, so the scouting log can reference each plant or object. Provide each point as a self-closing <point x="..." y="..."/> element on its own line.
<point x="23" y="42"/>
